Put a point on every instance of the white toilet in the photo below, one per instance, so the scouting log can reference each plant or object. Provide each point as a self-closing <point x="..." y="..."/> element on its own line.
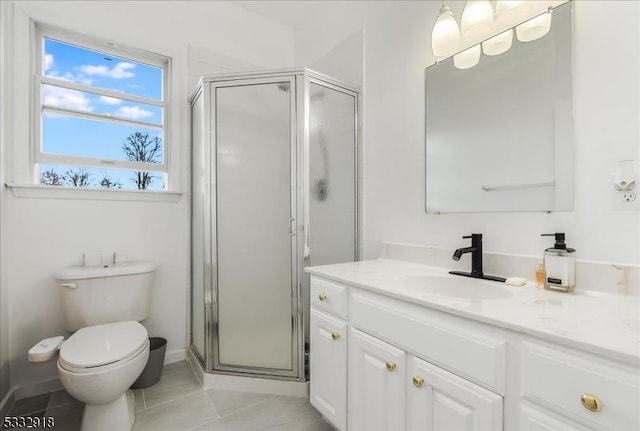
<point x="109" y="348"/>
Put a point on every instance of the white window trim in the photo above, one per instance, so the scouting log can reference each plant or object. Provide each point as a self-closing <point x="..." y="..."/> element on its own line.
<point x="40" y="31"/>
<point x="60" y="192"/>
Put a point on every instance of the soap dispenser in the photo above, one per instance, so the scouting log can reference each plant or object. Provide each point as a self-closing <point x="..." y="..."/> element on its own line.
<point x="559" y="265"/>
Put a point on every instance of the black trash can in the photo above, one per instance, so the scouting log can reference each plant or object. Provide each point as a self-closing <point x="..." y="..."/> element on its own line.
<point x="153" y="370"/>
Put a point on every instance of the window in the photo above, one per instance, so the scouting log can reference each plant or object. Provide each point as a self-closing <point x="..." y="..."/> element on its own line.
<point x="100" y="114"/>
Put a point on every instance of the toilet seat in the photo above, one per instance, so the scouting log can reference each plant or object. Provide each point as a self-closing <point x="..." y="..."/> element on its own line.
<point x="96" y="348"/>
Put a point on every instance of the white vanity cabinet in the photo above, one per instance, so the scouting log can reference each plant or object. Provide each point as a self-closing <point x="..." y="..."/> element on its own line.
<point x="401" y="365"/>
<point x="328" y="351"/>
<point x="439" y="400"/>
<point x="566" y="389"/>
<point x="377" y="381"/>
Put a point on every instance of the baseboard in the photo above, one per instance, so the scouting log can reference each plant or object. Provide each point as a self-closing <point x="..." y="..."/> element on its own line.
<point x="247" y="384"/>
<point x="175" y="356"/>
<point x="7" y="403"/>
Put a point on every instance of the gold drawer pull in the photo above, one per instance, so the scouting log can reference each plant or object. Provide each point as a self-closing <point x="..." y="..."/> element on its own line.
<point x="391" y="366"/>
<point x="322" y="296"/>
<point x="418" y="381"/>
<point x="591" y="402"/>
<point x="335" y="335"/>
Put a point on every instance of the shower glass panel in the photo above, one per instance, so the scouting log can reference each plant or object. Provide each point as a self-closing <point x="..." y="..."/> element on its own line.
<point x="332" y="161"/>
<point x="198" y="213"/>
<point x="255" y="197"/>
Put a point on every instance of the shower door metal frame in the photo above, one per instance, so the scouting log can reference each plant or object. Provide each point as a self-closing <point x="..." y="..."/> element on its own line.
<point x="295" y="191"/>
<point x="299" y="81"/>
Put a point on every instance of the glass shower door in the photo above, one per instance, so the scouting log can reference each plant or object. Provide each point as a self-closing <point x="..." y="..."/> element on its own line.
<point x="332" y="173"/>
<point x="255" y="226"/>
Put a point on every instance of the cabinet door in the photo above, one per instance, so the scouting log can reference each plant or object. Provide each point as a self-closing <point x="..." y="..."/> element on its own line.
<point x="377" y="373"/>
<point x="328" y="364"/>
<point x="439" y="400"/>
<point x="538" y="419"/>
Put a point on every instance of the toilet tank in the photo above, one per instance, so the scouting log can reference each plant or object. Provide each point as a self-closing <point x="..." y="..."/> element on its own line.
<point x="96" y="295"/>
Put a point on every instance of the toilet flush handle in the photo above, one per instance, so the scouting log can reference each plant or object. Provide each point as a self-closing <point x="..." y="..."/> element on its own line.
<point x="69" y="285"/>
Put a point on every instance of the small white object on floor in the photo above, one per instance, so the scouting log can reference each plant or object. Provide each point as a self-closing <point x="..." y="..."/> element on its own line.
<point x="516" y="281"/>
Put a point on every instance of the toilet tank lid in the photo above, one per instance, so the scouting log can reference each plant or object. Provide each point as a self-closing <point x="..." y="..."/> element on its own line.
<point x="84" y="272"/>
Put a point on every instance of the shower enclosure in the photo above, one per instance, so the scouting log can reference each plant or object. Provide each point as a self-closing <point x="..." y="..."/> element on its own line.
<point x="274" y="190"/>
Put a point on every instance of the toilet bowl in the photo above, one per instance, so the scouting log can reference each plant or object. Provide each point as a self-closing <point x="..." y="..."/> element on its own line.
<point x="97" y="365"/>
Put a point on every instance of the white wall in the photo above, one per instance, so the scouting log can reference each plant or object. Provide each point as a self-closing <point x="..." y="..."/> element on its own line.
<point x="5" y="379"/>
<point x="47" y="234"/>
<point x="397" y="48"/>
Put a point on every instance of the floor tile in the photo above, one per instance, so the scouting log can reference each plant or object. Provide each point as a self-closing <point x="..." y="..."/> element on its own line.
<point x="67" y="417"/>
<point x="271" y="414"/>
<point x="61" y="398"/>
<point x="175" y="367"/>
<point x="226" y="402"/>
<point x="171" y="387"/>
<point x="180" y="415"/>
<point x="33" y="404"/>
<point x="319" y="425"/>
<point x="138" y="399"/>
<point x="298" y="409"/>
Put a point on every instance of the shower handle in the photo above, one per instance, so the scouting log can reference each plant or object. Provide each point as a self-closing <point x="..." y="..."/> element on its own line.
<point x="291" y="231"/>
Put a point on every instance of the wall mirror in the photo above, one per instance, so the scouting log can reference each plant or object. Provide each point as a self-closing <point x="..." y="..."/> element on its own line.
<point x="499" y="136"/>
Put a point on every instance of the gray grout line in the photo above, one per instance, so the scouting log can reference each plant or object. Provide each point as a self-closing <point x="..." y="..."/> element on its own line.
<point x="144" y="401"/>
<point x="239" y="410"/>
<point x="211" y="402"/>
<point x="169" y="401"/>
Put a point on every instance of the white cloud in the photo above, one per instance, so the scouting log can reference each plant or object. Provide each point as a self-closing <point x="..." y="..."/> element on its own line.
<point x="69" y="77"/>
<point x="48" y="61"/>
<point x="121" y="70"/>
<point x="64" y="98"/>
<point x="134" y="112"/>
<point x="110" y="100"/>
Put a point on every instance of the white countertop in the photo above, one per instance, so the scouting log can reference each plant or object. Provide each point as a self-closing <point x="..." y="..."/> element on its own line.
<point x="605" y="324"/>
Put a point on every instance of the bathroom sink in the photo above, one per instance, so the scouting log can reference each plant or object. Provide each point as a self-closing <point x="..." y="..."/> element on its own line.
<point x="447" y="285"/>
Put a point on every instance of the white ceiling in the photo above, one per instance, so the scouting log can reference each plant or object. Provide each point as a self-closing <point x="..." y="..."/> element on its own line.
<point x="292" y="14"/>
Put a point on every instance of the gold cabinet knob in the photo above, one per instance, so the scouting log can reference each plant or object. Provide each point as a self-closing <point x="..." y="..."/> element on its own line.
<point x="322" y="296"/>
<point x="418" y="381"/>
<point x="335" y="335"/>
<point x="391" y="366"/>
<point x="591" y="402"/>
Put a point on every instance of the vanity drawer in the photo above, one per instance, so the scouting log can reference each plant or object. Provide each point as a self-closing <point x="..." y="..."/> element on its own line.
<point x="329" y="296"/>
<point x="558" y="379"/>
<point x="477" y="354"/>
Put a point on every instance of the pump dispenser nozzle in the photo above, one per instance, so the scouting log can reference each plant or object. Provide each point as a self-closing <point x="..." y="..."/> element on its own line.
<point x="559" y="244"/>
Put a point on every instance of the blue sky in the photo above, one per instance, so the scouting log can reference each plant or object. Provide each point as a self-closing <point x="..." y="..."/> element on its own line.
<point x="94" y="138"/>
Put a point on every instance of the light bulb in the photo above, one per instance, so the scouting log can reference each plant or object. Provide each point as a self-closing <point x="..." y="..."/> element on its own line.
<point x="535" y="28"/>
<point x="511" y="12"/>
<point x="467" y="58"/>
<point x="446" y="34"/>
<point x="498" y="44"/>
<point x="477" y="18"/>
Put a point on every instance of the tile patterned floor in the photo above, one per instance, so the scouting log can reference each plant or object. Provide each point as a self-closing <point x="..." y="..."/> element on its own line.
<point x="178" y="403"/>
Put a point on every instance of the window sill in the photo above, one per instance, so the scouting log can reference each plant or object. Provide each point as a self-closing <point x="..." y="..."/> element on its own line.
<point x="53" y="192"/>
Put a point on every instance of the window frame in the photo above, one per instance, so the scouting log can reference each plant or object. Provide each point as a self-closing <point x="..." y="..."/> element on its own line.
<point x="37" y="156"/>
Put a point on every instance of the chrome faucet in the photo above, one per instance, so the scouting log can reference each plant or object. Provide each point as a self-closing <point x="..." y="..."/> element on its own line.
<point x="476" y="259"/>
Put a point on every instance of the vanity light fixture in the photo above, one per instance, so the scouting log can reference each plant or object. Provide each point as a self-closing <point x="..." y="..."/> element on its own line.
<point x="478" y="22"/>
<point x="507" y="11"/>
<point x="446" y="33"/>
<point x="511" y="11"/>
<point x="467" y="58"/>
<point x="498" y="44"/>
<point x="477" y="19"/>
<point x="535" y="28"/>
